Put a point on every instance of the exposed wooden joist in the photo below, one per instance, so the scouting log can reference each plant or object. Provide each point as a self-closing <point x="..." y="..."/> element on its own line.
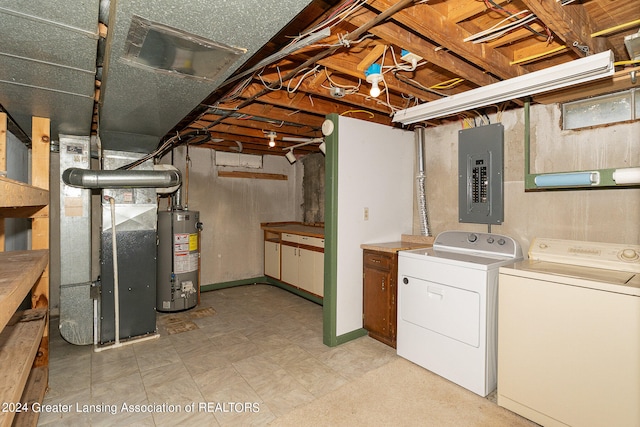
<point x="427" y="21"/>
<point x="305" y="103"/>
<point x="398" y="36"/>
<point x="571" y="24"/>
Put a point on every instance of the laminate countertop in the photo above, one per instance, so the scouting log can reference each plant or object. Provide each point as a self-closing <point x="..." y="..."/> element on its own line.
<point x="294" y="228"/>
<point x="407" y="242"/>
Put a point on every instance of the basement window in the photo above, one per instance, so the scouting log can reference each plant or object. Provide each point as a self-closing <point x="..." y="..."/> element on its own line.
<point x="237" y="159"/>
<point x="601" y="110"/>
<point x="170" y="50"/>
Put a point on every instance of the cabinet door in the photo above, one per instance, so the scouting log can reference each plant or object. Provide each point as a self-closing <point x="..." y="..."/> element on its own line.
<point x="311" y="271"/>
<point x="318" y="274"/>
<point x="377" y="307"/>
<point x="289" y="270"/>
<point x="272" y="259"/>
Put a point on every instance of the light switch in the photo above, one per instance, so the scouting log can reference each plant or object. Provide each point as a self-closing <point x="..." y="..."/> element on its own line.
<point x="365" y="214"/>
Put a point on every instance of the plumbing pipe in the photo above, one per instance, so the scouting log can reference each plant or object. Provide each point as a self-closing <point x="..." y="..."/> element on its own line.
<point x="116" y="296"/>
<point x="86" y="178"/>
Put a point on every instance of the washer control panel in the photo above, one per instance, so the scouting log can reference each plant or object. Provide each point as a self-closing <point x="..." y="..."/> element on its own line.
<point x="612" y="256"/>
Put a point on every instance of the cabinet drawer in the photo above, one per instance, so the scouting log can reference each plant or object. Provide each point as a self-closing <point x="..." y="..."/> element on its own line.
<point x="288" y="237"/>
<point x="377" y="260"/>
<point x="311" y="241"/>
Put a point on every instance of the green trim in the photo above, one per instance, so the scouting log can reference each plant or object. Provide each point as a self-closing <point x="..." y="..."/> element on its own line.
<point x="349" y="336"/>
<point x="606" y="175"/>
<point x="224" y="285"/>
<point x="262" y="280"/>
<point x="329" y="312"/>
<point x="294" y="290"/>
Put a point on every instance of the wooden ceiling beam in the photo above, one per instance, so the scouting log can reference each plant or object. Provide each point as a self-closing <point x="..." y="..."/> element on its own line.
<point x="345" y="66"/>
<point x="266" y="126"/>
<point x="394" y="34"/>
<point x="426" y="20"/>
<point x="277" y="114"/>
<point x="571" y="24"/>
<point x="516" y="36"/>
<point x="307" y="103"/>
<point x="460" y="11"/>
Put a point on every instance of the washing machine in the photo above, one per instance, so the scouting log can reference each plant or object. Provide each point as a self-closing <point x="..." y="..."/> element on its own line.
<point x="447" y="306"/>
<point x="569" y="334"/>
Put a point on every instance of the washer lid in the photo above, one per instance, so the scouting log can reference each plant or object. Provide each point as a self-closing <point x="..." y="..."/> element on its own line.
<point x="575" y="275"/>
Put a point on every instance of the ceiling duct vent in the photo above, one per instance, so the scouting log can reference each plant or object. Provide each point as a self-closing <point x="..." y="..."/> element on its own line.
<point x="166" y="49"/>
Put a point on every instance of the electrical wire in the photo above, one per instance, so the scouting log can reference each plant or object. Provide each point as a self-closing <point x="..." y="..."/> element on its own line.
<point x="304" y="76"/>
<point x="492" y="33"/>
<point x="358" y="111"/>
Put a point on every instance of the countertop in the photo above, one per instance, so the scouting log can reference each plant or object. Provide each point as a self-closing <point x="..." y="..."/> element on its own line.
<point x="294" y="228"/>
<point x="406" y="243"/>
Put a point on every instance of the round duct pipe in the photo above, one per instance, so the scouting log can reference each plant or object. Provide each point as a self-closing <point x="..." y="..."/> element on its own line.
<point x="421" y="192"/>
<point x="85" y="178"/>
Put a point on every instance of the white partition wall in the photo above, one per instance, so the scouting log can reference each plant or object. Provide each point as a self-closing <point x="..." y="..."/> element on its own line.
<point x="375" y="167"/>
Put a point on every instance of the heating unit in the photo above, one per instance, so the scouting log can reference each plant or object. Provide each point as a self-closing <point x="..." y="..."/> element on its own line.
<point x="447" y="298"/>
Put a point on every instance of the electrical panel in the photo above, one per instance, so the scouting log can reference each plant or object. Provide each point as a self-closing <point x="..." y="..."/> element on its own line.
<point x="480" y="177"/>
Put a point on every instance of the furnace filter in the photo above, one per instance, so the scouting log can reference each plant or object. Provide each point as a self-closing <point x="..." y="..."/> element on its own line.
<point x="178" y="260"/>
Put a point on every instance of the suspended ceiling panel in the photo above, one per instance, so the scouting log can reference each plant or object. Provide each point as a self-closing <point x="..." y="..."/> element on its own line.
<point x="140" y="104"/>
<point x="47" y="59"/>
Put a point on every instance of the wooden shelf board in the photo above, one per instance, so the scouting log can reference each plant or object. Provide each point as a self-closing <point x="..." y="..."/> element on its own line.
<point x="252" y="175"/>
<point x="18" y="273"/>
<point x="19" y="343"/>
<point x="16" y="194"/>
<point x="34" y="392"/>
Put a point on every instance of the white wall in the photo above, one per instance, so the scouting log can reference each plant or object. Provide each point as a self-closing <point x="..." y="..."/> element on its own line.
<point x="375" y="171"/>
<point x="232" y="209"/>
<point x="605" y="215"/>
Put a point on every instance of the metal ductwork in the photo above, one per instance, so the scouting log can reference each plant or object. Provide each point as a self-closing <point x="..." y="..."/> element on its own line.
<point x="51" y="60"/>
<point x="421" y="193"/>
<point x="85" y="178"/>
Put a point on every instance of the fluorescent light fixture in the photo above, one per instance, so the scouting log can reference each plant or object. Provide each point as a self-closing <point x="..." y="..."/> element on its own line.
<point x="627" y="176"/>
<point x="559" y="76"/>
<point x="569" y="179"/>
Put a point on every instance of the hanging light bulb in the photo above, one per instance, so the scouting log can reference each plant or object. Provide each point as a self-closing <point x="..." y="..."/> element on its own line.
<point x="374" y="76"/>
<point x="272" y="138"/>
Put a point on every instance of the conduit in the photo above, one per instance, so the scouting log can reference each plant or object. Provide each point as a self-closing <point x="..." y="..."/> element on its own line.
<point x="421" y="192"/>
<point x="116" y="296"/>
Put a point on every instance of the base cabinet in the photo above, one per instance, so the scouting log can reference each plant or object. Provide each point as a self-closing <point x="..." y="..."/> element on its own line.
<point x="303" y="268"/>
<point x="294" y="255"/>
<point x="380" y="271"/>
<point x="272" y="259"/>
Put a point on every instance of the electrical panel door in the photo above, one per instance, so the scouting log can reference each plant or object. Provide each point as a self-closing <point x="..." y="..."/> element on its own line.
<point x="480" y="164"/>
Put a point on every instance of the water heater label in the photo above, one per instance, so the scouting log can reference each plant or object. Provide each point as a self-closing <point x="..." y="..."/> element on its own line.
<point x="185" y="263"/>
<point x="193" y="242"/>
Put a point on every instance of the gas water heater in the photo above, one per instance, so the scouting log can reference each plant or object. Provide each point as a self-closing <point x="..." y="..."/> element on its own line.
<point x="178" y="259"/>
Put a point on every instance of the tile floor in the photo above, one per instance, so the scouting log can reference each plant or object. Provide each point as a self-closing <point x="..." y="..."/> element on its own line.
<point x="257" y="358"/>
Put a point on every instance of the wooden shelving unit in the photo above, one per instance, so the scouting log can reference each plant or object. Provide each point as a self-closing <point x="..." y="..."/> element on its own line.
<point x="24" y="334"/>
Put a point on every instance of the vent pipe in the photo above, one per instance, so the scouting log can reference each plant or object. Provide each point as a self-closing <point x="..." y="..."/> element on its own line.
<point x="85" y="178"/>
<point x="421" y="192"/>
